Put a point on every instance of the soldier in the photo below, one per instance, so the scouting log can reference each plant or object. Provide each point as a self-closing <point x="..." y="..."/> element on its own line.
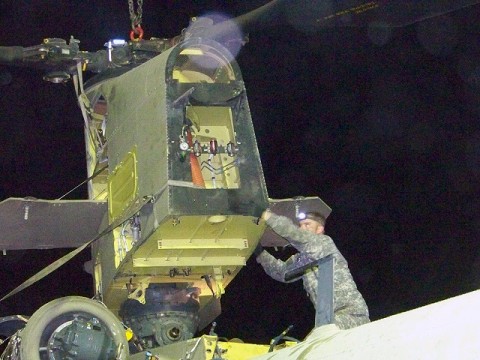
<point x="350" y="309"/>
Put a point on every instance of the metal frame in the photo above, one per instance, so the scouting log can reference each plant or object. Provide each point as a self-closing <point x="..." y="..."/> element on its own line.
<point x="324" y="307"/>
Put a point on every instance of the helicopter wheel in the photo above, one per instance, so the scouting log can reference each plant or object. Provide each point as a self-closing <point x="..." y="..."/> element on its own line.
<point x="73" y="328"/>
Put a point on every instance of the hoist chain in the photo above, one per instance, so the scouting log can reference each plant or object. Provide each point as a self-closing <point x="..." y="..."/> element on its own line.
<point x="135" y="18"/>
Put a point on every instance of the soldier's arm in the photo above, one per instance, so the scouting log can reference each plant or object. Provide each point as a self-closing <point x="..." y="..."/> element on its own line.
<point x="274" y="267"/>
<point x="314" y="244"/>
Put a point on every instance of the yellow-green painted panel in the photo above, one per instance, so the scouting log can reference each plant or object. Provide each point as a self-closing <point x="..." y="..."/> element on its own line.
<point x="122" y="185"/>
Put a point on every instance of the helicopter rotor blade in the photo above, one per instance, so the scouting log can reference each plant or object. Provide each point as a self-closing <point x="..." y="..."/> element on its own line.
<point x="259" y="18"/>
<point x="318" y="14"/>
<point x="315" y="15"/>
<point x="309" y="16"/>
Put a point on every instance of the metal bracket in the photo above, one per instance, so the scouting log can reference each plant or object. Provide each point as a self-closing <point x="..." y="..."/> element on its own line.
<point x="139" y="293"/>
<point x="324" y="308"/>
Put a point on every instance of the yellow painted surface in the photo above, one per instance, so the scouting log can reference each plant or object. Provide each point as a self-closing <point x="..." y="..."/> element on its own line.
<point x="122" y="185"/>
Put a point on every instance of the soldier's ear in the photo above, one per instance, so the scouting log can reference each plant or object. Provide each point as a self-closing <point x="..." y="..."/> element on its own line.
<point x="320" y="229"/>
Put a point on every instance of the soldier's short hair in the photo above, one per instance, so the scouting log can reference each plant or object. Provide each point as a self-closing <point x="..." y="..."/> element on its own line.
<point x="313" y="215"/>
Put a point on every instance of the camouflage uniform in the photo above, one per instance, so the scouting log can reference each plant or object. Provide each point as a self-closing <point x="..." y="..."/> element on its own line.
<point x="350" y="309"/>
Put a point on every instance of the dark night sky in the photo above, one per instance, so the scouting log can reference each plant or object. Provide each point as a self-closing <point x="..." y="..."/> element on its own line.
<point x="384" y="127"/>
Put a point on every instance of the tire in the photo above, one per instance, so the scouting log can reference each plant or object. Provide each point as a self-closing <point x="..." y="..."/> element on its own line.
<point x="52" y="315"/>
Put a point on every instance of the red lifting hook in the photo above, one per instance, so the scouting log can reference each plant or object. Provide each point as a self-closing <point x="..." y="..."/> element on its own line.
<point x="136" y="31"/>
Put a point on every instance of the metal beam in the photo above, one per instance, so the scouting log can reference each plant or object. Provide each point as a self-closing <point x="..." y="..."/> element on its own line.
<point x="324" y="308"/>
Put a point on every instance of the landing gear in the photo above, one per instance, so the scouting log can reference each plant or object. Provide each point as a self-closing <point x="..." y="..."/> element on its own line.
<point x="73" y="328"/>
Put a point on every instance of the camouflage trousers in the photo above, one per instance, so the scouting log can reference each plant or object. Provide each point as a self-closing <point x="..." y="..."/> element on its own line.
<point x="346" y="320"/>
